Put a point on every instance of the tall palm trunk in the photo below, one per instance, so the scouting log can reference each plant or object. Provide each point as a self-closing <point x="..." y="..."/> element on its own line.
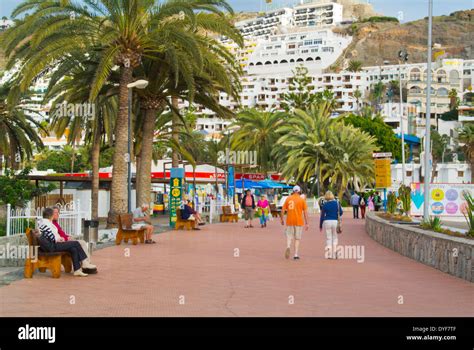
<point x="73" y="158"/>
<point x="175" y="133"/>
<point x="146" y="153"/>
<point x="118" y="190"/>
<point x="95" y="157"/>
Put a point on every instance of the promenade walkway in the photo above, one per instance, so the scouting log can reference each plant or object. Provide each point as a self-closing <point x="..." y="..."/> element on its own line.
<point x="198" y="274"/>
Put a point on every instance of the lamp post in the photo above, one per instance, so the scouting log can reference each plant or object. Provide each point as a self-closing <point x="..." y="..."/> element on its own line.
<point x="426" y="204"/>
<point x="403" y="56"/>
<point x="139" y="84"/>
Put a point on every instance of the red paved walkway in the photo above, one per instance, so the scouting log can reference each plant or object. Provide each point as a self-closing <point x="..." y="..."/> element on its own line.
<point x="201" y="267"/>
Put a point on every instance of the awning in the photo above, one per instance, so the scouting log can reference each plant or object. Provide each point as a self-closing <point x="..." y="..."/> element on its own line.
<point x="248" y="184"/>
<point x="273" y="184"/>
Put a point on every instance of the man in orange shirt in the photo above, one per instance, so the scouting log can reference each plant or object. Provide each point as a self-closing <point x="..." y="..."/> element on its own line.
<point x="297" y="209"/>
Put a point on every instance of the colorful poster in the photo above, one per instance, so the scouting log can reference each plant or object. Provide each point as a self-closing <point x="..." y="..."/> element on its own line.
<point x="445" y="199"/>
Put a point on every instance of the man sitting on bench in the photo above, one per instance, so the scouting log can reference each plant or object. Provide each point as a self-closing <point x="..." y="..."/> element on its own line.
<point x="68" y="238"/>
<point x="141" y="219"/>
<point x="188" y="213"/>
<point x="52" y="242"/>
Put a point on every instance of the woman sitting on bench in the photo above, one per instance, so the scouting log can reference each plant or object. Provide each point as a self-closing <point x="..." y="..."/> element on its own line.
<point x="51" y="242"/>
<point x="68" y="238"/>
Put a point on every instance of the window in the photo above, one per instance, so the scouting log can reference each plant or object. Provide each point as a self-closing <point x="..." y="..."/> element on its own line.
<point x="308" y="42"/>
<point x="409" y="173"/>
<point x="460" y="173"/>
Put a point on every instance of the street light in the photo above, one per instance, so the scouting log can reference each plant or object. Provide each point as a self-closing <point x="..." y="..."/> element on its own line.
<point x="426" y="204"/>
<point x="139" y="84"/>
<point x="403" y="56"/>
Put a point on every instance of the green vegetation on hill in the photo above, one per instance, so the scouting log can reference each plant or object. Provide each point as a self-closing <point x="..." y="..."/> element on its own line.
<point x="379" y="19"/>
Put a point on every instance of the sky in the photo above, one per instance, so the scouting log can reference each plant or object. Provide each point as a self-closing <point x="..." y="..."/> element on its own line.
<point x="412" y="9"/>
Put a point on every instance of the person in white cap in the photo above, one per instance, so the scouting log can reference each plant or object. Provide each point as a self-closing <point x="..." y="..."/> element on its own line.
<point x="297" y="210"/>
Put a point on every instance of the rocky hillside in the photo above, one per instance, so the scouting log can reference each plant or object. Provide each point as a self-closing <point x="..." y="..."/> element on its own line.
<point x="375" y="43"/>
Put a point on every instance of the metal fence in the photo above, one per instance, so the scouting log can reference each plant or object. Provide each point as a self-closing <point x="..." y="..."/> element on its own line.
<point x="70" y="218"/>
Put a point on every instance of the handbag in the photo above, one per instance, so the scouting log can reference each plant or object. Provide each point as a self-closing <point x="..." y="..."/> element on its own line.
<point x="339" y="223"/>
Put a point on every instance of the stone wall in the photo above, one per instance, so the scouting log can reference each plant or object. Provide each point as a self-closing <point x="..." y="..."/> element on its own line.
<point x="453" y="255"/>
<point x="9" y="251"/>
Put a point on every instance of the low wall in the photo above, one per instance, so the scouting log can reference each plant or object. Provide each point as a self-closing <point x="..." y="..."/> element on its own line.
<point x="9" y="251"/>
<point x="453" y="255"/>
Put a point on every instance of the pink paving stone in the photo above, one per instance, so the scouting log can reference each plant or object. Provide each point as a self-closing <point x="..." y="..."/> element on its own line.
<point x="201" y="267"/>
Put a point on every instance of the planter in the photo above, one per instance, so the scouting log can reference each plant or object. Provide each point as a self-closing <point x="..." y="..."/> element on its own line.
<point x="452" y="255"/>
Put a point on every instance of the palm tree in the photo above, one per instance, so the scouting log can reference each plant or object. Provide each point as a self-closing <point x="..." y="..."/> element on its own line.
<point x="349" y="158"/>
<point x="18" y="129"/>
<point x="354" y="66"/>
<point x="122" y="32"/>
<point x="466" y="136"/>
<point x="315" y="145"/>
<point x="358" y="96"/>
<point x="257" y="131"/>
<point x="96" y="129"/>
<point x="377" y="93"/>
<point x="453" y="99"/>
<point x="299" y="150"/>
<point x="186" y="79"/>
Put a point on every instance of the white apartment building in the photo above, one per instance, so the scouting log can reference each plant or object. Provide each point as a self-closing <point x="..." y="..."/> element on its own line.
<point x="318" y="14"/>
<point x="446" y="76"/>
<point x="266" y="24"/>
<point x="280" y="54"/>
<point x="315" y="15"/>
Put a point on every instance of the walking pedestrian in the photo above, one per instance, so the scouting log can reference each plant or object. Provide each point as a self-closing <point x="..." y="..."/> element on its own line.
<point x="370" y="201"/>
<point x="355" y="205"/>
<point x="248" y="206"/>
<point x="297" y="217"/>
<point x="362" y="205"/>
<point x="263" y="210"/>
<point x="331" y="214"/>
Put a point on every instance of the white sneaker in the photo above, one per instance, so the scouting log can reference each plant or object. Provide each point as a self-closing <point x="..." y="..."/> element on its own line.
<point x="79" y="273"/>
<point x="88" y="265"/>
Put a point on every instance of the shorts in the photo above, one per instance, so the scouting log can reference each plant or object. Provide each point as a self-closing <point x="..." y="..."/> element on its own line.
<point x="248" y="213"/>
<point x="295" y="232"/>
<point x="138" y="226"/>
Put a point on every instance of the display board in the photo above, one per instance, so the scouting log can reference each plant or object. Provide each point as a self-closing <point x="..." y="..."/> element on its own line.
<point x="445" y="199"/>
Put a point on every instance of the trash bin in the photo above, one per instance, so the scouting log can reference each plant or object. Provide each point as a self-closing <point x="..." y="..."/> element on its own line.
<point x="91" y="231"/>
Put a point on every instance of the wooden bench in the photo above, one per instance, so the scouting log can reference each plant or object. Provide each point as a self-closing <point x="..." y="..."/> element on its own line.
<point x="126" y="232"/>
<point x="44" y="260"/>
<point x="275" y="212"/>
<point x="181" y="223"/>
<point x="227" y="214"/>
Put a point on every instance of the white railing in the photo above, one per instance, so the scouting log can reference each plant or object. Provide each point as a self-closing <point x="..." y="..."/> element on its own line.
<point x="211" y="209"/>
<point x="70" y="218"/>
